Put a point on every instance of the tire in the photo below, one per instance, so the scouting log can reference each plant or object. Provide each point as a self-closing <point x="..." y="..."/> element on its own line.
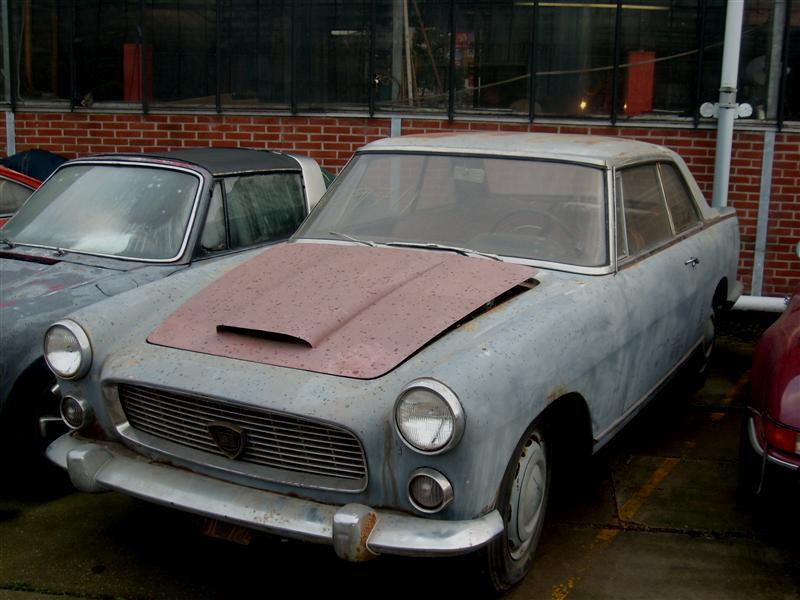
<point x="522" y="502"/>
<point x="33" y="399"/>
<point x="698" y="364"/>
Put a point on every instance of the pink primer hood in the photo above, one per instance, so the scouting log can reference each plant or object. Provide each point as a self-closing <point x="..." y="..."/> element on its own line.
<point x="352" y="311"/>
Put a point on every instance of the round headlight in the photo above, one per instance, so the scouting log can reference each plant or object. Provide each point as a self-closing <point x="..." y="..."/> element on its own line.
<point x="67" y="349"/>
<point x="429" y="416"/>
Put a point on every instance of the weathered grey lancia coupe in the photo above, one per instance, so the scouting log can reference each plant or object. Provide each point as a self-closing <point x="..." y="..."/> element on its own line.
<point x="457" y="313"/>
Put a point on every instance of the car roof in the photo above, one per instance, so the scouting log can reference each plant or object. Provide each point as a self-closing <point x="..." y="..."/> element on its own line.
<point x="217" y="161"/>
<point x="593" y="149"/>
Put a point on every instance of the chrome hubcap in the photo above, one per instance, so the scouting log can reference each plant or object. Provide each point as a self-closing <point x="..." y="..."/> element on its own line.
<point x="527" y="497"/>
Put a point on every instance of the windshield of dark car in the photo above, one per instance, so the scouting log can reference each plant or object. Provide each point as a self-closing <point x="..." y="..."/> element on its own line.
<point x="532" y="209"/>
<point x="136" y="212"/>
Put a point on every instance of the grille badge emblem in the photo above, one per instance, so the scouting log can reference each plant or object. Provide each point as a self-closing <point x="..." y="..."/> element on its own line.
<point x="228" y="438"/>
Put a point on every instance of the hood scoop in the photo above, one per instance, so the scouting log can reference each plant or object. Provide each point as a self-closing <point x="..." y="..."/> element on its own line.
<point x="344" y="310"/>
<point x="273" y="336"/>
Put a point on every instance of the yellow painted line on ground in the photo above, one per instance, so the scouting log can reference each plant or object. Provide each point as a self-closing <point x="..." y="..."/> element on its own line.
<point x="736" y="388"/>
<point x="628" y="510"/>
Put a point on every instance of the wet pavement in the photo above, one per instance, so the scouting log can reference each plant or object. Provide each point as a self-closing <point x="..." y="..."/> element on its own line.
<point x="656" y="515"/>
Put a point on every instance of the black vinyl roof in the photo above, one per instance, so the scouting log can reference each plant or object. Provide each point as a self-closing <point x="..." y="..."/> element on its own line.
<point x="221" y="161"/>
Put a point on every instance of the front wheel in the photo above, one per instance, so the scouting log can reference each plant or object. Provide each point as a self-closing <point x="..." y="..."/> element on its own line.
<point x="522" y="503"/>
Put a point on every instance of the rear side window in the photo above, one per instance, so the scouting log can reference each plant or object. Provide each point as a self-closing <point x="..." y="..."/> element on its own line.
<point x="263" y="207"/>
<point x="646" y="219"/>
<point x="681" y="205"/>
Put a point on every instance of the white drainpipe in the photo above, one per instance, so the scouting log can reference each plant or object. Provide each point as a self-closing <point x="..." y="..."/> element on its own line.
<point x="760" y="303"/>
<point x="728" y="108"/>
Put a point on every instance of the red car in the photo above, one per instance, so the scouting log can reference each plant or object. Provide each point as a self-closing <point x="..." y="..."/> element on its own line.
<point x="14" y="190"/>
<point x="772" y="425"/>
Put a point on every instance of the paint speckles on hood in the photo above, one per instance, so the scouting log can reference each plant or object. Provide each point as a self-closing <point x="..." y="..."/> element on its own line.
<point x="344" y="310"/>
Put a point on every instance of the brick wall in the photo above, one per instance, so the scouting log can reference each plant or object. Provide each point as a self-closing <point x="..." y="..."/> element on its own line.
<point x="332" y="140"/>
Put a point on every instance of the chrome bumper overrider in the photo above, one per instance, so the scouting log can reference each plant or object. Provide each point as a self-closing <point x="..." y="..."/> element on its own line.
<point x="356" y="531"/>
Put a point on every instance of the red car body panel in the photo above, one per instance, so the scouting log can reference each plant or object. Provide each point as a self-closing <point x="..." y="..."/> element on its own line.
<point x="16" y="177"/>
<point x="343" y="310"/>
<point x="775" y="378"/>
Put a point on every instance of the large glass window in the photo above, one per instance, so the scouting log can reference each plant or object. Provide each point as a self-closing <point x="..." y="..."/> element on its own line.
<point x="658" y="59"/>
<point x="42" y="39"/>
<point x="759" y="58"/>
<point x="333" y="53"/>
<point x="492" y="55"/>
<point x="574" y="58"/>
<point x="182" y="34"/>
<point x="131" y="212"/>
<point x="256" y="50"/>
<point x="531" y="209"/>
<point x="108" y="52"/>
<point x="791" y="110"/>
<point x="412" y="54"/>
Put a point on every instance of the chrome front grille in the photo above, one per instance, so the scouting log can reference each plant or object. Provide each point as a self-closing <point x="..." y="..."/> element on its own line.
<point x="275" y="440"/>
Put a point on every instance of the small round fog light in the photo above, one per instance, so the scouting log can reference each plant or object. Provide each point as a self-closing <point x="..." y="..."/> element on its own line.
<point x="429" y="491"/>
<point x="75" y="412"/>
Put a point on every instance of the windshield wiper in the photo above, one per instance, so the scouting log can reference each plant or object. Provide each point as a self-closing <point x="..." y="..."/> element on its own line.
<point x="434" y="246"/>
<point x="351" y="238"/>
<point x="8" y="243"/>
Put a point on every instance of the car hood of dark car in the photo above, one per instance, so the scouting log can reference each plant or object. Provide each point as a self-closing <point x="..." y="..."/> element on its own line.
<point x="344" y="310"/>
<point x="24" y="277"/>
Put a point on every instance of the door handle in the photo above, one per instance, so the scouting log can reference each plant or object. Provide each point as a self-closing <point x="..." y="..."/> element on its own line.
<point x="694" y="261"/>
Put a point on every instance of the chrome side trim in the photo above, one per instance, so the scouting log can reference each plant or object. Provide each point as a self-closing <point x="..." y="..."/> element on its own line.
<point x="97" y="466"/>
<point x="751" y="434"/>
<point x="601" y="439"/>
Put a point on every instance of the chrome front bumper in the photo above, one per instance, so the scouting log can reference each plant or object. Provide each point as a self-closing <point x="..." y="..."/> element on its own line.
<point x="357" y="532"/>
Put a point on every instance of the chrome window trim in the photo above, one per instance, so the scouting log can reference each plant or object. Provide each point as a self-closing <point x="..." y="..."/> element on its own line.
<point x="148" y="165"/>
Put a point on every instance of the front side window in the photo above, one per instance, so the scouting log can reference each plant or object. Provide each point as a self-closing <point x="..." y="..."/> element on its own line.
<point x="133" y="212"/>
<point x="646" y="218"/>
<point x="538" y="210"/>
<point x="262" y="208"/>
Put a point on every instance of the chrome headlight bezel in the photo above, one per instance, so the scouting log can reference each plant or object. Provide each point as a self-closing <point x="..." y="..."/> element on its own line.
<point x="84" y="348"/>
<point x="450" y="400"/>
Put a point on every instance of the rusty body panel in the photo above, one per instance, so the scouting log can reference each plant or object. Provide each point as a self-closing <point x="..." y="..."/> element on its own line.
<point x="609" y="338"/>
<point x="343" y="310"/>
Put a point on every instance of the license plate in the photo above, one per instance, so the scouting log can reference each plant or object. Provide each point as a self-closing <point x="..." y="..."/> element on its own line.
<point x="226" y="531"/>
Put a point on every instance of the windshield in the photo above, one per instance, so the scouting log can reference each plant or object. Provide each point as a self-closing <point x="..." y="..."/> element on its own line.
<point x="127" y="211"/>
<point x="539" y="210"/>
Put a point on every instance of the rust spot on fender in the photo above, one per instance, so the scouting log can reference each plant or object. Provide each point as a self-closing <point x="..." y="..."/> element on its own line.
<point x="556" y="393"/>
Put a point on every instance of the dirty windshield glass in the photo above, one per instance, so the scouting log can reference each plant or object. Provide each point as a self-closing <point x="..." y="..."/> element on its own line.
<point x="126" y="211"/>
<point x="540" y="210"/>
